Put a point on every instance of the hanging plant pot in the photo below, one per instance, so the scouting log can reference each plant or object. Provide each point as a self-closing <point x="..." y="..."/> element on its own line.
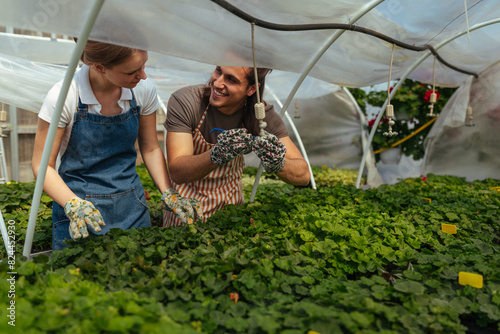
<point x="391" y="156"/>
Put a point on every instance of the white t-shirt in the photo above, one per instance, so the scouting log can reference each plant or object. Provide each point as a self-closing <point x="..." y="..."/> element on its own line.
<point x="145" y="94"/>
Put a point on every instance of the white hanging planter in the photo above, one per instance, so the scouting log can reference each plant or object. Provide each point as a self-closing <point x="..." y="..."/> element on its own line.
<point x="391" y="156"/>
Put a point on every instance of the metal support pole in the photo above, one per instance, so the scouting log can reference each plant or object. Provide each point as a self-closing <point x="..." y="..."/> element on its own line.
<point x="14" y="144"/>
<point x="4" y="176"/>
<point x="164" y="130"/>
<point x="8" y="246"/>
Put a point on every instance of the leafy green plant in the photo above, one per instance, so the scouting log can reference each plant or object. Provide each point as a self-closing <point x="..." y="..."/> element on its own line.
<point x="153" y="196"/>
<point x="332" y="260"/>
<point x="15" y="204"/>
<point x="323" y="176"/>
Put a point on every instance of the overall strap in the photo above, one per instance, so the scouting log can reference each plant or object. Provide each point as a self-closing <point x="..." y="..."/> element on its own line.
<point x="133" y="102"/>
<point x="82" y="107"/>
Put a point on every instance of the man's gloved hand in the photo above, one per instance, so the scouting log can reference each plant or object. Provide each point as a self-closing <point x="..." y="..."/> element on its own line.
<point x="230" y="144"/>
<point x="188" y="210"/>
<point x="196" y="205"/>
<point x="271" y="152"/>
<point x="82" y="213"/>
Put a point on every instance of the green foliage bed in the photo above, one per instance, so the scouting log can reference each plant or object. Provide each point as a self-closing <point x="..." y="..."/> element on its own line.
<point x="332" y="260"/>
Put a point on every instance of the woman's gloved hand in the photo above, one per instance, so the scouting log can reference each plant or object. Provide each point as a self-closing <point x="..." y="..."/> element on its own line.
<point x="271" y="152"/>
<point x="230" y="144"/>
<point x="82" y="213"/>
<point x="188" y="210"/>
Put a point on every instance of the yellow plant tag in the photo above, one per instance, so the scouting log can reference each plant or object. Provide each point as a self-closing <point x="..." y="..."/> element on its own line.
<point x="427" y="199"/>
<point x="474" y="280"/>
<point x="448" y="228"/>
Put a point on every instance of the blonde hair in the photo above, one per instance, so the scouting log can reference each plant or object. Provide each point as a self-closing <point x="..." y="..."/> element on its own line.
<point x="106" y="54"/>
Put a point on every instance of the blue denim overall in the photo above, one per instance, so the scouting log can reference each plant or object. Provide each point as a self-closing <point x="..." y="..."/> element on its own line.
<point x="99" y="166"/>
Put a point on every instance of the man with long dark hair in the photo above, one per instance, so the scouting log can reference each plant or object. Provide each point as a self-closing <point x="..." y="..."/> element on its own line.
<point x="211" y="126"/>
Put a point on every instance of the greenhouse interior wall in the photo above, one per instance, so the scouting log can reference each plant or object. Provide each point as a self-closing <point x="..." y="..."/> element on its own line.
<point x="26" y="127"/>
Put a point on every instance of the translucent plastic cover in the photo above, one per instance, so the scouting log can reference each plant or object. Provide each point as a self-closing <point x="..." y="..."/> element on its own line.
<point x="205" y="32"/>
<point x="464" y="146"/>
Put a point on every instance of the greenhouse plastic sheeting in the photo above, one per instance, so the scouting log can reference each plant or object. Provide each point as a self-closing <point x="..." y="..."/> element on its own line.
<point x="25" y="84"/>
<point x="453" y="146"/>
<point x="335" y="141"/>
<point x="205" y="32"/>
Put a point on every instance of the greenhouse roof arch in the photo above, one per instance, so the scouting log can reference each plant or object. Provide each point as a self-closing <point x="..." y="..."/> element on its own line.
<point x="205" y="32"/>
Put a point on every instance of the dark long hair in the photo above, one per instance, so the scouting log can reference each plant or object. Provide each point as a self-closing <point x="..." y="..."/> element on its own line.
<point x="248" y="119"/>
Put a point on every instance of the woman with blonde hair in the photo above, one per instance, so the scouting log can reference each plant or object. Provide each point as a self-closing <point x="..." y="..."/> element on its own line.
<point x="110" y="105"/>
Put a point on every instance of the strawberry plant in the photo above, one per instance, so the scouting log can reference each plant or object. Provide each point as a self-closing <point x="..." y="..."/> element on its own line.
<point x="15" y="204"/>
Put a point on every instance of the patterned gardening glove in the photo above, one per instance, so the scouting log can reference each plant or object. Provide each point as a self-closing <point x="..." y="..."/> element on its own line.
<point x="230" y="144"/>
<point x="82" y="213"/>
<point x="271" y="152"/>
<point x="188" y="210"/>
<point x="196" y="205"/>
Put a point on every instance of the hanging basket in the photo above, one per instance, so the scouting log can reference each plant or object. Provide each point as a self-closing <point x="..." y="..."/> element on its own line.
<point x="391" y="156"/>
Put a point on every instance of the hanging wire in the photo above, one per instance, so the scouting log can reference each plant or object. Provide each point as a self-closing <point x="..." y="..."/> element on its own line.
<point x="260" y="109"/>
<point x="255" y="64"/>
<point x="389" y="110"/>
<point x="390" y="74"/>
<point x="434" y="76"/>
<point x="433" y="97"/>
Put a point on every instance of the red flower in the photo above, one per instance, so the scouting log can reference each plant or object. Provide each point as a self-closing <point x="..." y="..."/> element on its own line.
<point x="371" y="123"/>
<point x="234" y="297"/>
<point x="427" y="95"/>
<point x="424" y="178"/>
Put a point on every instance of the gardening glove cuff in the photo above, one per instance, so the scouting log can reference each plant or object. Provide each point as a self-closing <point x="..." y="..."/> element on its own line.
<point x="188" y="210"/>
<point x="82" y="213"/>
<point x="271" y="152"/>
